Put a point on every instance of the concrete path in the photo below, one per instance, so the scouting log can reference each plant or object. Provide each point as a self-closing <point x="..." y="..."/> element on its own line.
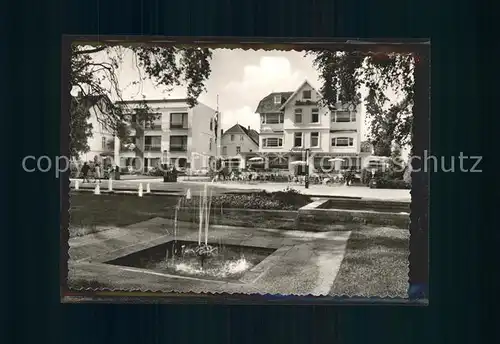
<point x="304" y="263"/>
<point x="323" y="190"/>
<point x="157" y="185"/>
<point x="222" y="187"/>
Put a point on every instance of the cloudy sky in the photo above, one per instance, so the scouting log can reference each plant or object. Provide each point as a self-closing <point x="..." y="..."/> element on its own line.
<point x="239" y="78"/>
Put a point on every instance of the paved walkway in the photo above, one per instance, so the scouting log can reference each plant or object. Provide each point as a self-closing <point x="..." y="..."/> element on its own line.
<point x="304" y="263"/>
<point x="323" y="190"/>
<point x="157" y="184"/>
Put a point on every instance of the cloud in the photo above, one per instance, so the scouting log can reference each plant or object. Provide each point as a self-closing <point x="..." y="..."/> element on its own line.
<point x="273" y="73"/>
<point x="244" y="116"/>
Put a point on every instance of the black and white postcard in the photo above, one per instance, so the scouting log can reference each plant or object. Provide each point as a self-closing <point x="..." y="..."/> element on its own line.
<point x="218" y="166"/>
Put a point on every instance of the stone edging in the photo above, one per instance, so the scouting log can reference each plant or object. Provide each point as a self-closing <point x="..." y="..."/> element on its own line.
<point x="308" y="218"/>
<point x="313" y="216"/>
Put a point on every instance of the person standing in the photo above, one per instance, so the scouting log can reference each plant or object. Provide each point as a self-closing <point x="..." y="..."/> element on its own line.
<point x="97" y="172"/>
<point x="349" y="175"/>
<point x="85" y="172"/>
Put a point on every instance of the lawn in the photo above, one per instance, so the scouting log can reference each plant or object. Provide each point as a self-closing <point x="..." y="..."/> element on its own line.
<point x="91" y="214"/>
<point x="84" y="284"/>
<point x="375" y="263"/>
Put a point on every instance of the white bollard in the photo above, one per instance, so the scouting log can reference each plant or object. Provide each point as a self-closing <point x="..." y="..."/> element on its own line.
<point x="77" y="185"/>
<point x="110" y="184"/>
<point x="97" y="190"/>
<point x="188" y="194"/>
<point x="140" y="190"/>
<point x="148" y="188"/>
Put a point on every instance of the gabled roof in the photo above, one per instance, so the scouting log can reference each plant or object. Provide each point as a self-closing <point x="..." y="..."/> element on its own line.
<point x="254" y="135"/>
<point x="266" y="105"/>
<point x="237" y="128"/>
<point x="295" y="93"/>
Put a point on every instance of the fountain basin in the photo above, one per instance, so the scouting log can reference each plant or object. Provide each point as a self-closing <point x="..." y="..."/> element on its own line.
<point x="228" y="263"/>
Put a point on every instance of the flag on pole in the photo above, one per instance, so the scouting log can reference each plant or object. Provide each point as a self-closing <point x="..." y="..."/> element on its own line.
<point x="216" y="120"/>
<point x="216" y="124"/>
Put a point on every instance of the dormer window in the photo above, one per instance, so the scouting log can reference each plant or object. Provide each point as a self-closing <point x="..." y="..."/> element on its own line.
<point x="277" y="99"/>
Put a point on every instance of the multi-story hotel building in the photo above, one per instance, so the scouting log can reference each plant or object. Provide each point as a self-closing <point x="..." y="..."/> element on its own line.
<point x="295" y="125"/>
<point x="181" y="135"/>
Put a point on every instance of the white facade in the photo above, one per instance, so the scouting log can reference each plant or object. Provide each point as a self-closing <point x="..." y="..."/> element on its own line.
<point x="295" y="122"/>
<point x="236" y="143"/>
<point x="183" y="136"/>
<point x="101" y="141"/>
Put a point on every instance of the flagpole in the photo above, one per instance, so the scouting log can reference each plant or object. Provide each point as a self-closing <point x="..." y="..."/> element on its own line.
<point x="218" y="137"/>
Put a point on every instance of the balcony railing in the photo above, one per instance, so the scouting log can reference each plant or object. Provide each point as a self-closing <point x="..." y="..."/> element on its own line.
<point x="152" y="126"/>
<point x="305" y="102"/>
<point x="152" y="148"/>
<point x="178" y="148"/>
<point x="178" y="126"/>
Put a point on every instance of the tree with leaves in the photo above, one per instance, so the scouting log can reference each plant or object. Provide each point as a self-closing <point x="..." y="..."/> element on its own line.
<point x="96" y="79"/>
<point x="388" y="126"/>
<point x="345" y="74"/>
<point x="366" y="147"/>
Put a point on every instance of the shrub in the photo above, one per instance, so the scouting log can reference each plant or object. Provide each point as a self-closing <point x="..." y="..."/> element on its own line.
<point x="155" y="172"/>
<point x="282" y="200"/>
<point x="386" y="183"/>
<point x="365" y="176"/>
<point x="74" y="170"/>
<point x="124" y="170"/>
<point x="292" y="197"/>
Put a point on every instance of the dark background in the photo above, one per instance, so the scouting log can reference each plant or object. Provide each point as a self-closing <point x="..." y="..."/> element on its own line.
<point x="31" y="90"/>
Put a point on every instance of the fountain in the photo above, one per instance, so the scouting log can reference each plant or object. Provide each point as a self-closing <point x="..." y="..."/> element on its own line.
<point x="198" y="258"/>
<point x="202" y="251"/>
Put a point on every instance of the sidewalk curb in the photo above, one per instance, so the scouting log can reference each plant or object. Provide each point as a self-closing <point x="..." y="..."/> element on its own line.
<point x="130" y="192"/>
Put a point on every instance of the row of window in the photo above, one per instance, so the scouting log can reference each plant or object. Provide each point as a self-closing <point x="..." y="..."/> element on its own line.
<point x="336" y="117"/>
<point x="177" y="120"/>
<point x="153" y="143"/>
<point x="272" y="142"/>
<point x="299" y="116"/>
<point x="306" y="94"/>
<point x="233" y="136"/>
<point x="155" y="162"/>
<point x="178" y="143"/>
<point x="224" y="150"/>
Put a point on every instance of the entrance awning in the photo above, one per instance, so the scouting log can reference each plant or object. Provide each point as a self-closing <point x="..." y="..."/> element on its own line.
<point x="343" y="131"/>
<point x="249" y="154"/>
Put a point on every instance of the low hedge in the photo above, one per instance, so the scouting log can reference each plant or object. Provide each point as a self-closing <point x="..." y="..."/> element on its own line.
<point x="155" y="172"/>
<point x="384" y="183"/>
<point x="282" y="200"/>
